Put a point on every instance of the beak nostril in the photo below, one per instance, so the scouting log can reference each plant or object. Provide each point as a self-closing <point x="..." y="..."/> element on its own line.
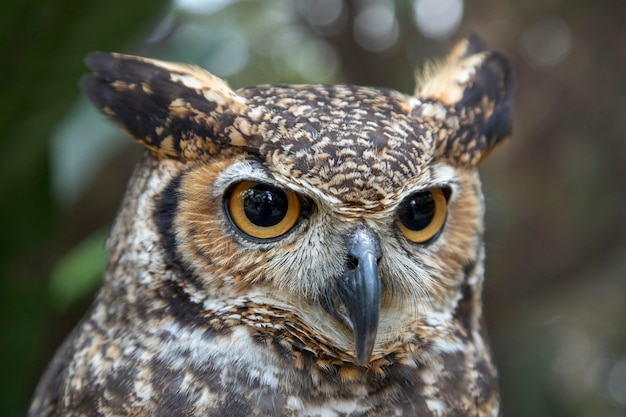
<point x="352" y="263"/>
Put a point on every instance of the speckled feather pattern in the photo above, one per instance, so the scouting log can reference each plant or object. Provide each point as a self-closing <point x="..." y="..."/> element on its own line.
<point x="195" y="319"/>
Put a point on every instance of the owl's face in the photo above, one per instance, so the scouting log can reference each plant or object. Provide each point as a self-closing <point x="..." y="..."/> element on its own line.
<point x="284" y="231"/>
<point x="352" y="211"/>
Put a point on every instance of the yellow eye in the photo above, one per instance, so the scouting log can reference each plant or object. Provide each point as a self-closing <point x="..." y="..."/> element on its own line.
<point x="421" y="215"/>
<point x="262" y="211"/>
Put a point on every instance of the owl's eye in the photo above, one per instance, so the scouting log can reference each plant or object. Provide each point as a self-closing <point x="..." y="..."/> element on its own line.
<point x="422" y="215"/>
<point x="262" y="211"/>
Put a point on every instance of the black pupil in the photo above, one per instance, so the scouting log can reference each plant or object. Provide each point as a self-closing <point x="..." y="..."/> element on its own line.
<point x="265" y="205"/>
<point x="417" y="211"/>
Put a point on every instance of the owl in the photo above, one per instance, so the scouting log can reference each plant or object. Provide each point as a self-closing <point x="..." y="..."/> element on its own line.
<point x="291" y="250"/>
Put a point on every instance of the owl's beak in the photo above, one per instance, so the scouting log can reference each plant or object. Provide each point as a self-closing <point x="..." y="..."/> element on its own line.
<point x="359" y="291"/>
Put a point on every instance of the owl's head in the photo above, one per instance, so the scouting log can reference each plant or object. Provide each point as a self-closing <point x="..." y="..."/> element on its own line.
<point x="354" y="211"/>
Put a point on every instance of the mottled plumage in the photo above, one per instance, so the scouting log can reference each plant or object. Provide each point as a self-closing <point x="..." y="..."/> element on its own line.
<point x="357" y="292"/>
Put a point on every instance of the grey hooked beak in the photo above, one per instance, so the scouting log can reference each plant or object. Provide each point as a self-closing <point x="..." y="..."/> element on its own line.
<point x="357" y="301"/>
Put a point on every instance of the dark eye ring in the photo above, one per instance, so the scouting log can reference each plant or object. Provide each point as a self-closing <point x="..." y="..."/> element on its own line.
<point x="421" y="215"/>
<point x="262" y="211"/>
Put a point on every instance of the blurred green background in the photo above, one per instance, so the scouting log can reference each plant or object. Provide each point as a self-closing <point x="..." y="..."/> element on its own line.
<point x="556" y="191"/>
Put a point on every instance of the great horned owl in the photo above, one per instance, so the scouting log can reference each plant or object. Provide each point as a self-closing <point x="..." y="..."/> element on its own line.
<point x="304" y="250"/>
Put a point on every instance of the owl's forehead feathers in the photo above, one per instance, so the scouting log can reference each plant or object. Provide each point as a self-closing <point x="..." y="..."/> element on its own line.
<point x="358" y="144"/>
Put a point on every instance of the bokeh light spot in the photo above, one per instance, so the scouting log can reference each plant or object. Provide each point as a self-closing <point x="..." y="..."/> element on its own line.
<point x="437" y="19"/>
<point x="231" y="56"/>
<point x="201" y="6"/>
<point x="547" y="41"/>
<point x="324" y="13"/>
<point x="376" y="27"/>
<point x="617" y="382"/>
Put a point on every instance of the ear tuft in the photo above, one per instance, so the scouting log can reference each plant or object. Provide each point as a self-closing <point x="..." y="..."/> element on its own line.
<point x="469" y="65"/>
<point x="476" y="86"/>
<point x="176" y="111"/>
